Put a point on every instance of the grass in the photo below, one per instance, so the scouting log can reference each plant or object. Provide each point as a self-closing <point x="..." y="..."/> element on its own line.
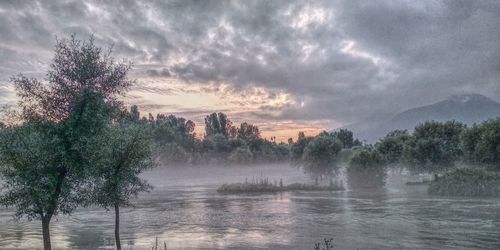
<point x="263" y="185"/>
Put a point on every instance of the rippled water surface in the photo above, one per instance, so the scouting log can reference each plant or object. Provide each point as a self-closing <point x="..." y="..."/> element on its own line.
<point x="185" y="211"/>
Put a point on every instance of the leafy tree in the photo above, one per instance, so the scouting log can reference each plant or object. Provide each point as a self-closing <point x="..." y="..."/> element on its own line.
<point x="481" y="143"/>
<point x="218" y="123"/>
<point x="248" y="132"/>
<point x="35" y="178"/>
<point x="297" y="149"/>
<point x="345" y="137"/>
<point x="321" y="155"/>
<point x="392" y="146"/>
<point x="77" y="67"/>
<point x="68" y="112"/>
<point x="128" y="152"/>
<point x="366" y="168"/>
<point x="435" y="146"/>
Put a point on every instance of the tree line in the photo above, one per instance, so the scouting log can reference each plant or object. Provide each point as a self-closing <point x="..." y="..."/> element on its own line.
<point x="74" y="143"/>
<point x="433" y="148"/>
<point x="223" y="143"/>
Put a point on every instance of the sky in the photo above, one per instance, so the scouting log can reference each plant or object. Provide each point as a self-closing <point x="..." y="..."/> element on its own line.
<point x="286" y="66"/>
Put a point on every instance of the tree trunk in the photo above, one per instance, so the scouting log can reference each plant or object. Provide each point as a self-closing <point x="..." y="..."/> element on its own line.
<point x="46" y="232"/>
<point x="117" y="227"/>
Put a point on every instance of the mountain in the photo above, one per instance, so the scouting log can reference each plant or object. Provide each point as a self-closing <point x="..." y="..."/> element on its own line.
<point x="469" y="109"/>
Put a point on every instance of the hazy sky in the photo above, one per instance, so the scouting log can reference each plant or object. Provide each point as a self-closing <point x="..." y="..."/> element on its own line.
<point x="283" y="65"/>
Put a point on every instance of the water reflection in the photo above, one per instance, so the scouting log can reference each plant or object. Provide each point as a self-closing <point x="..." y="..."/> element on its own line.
<point x="190" y="214"/>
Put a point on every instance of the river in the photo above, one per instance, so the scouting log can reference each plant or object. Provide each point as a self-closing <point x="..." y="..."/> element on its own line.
<point x="185" y="211"/>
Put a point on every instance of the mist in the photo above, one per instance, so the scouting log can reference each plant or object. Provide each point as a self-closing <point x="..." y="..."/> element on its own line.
<point x="249" y="125"/>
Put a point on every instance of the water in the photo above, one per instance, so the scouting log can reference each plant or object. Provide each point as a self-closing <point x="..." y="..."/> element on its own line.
<point x="185" y="211"/>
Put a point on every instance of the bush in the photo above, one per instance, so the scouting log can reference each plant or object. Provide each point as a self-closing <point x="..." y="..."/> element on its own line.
<point x="467" y="182"/>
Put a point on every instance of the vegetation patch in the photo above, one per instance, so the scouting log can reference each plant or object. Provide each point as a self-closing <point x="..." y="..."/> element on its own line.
<point x="264" y="186"/>
<point x="467" y="182"/>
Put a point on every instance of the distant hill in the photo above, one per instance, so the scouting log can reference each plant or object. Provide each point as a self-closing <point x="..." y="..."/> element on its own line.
<point x="469" y="109"/>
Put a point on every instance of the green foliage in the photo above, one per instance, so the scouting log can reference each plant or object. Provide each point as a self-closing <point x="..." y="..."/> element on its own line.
<point x="63" y="120"/>
<point x="33" y="161"/>
<point x="392" y="146"/>
<point x="127" y="152"/>
<point x="434" y="147"/>
<point x="481" y="144"/>
<point x="217" y="123"/>
<point x="346" y="138"/>
<point x="474" y="182"/>
<point x="321" y="156"/>
<point x="366" y="169"/>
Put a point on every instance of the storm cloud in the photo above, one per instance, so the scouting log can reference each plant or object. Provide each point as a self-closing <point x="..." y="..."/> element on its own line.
<point x="342" y="61"/>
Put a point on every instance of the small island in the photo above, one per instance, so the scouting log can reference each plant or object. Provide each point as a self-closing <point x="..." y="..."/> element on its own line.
<point x="264" y="186"/>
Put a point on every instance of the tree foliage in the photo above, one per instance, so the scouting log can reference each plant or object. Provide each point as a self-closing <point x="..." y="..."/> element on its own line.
<point x="366" y="168"/>
<point x="63" y="118"/>
<point x="481" y="144"/>
<point x="321" y="155"/>
<point x="435" y="146"/>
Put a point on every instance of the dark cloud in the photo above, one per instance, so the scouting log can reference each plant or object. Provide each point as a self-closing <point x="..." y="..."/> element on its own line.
<point x="340" y="60"/>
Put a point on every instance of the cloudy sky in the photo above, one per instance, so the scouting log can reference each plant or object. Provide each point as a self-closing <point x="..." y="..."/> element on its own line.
<point x="286" y="66"/>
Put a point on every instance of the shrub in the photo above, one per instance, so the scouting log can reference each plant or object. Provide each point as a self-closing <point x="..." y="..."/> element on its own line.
<point x="467" y="182"/>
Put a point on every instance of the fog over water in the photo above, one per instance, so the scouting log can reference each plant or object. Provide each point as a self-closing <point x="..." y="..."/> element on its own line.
<point x="185" y="211"/>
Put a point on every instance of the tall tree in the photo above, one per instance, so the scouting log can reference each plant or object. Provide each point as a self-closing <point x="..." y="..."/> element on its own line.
<point x="218" y="123"/>
<point x="83" y="87"/>
<point x="128" y="152"/>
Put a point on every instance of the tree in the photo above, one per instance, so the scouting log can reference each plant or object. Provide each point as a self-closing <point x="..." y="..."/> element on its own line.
<point x="128" y="154"/>
<point x="366" y="168"/>
<point x="69" y="113"/>
<point x="248" y="132"/>
<point x="481" y="143"/>
<point x="77" y="67"/>
<point x="217" y="123"/>
<point x="35" y="178"/>
<point x="321" y="155"/>
<point x="392" y="146"/>
<point x="345" y="137"/>
<point x="434" y="146"/>
<point x="297" y="149"/>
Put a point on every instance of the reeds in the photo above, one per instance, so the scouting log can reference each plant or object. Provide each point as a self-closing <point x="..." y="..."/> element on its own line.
<point x="263" y="185"/>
